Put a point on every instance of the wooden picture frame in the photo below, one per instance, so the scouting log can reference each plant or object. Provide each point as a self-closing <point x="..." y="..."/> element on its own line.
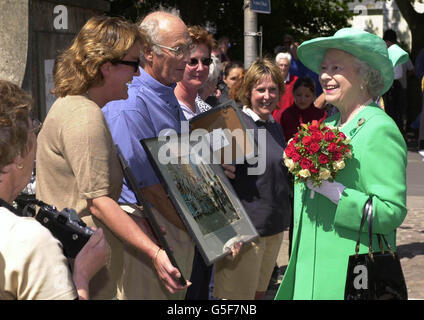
<point x="237" y="144"/>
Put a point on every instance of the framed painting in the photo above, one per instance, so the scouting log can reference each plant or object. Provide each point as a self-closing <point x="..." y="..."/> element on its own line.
<point x="201" y="193"/>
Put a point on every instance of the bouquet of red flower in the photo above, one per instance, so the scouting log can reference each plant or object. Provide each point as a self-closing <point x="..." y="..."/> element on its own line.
<point x="317" y="152"/>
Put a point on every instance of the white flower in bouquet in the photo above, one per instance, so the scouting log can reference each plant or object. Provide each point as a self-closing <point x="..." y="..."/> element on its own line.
<point x="339" y="165"/>
<point x="324" y="174"/>
<point x="304" y="173"/>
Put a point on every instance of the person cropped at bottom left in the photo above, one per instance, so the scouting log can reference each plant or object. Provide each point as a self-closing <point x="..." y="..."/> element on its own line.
<point x="32" y="264"/>
<point x="77" y="163"/>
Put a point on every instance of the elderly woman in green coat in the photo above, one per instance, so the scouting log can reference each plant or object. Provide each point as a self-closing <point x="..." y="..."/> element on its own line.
<point x="355" y="68"/>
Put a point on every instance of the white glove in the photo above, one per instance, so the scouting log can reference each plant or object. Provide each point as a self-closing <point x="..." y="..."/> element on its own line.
<point x="332" y="190"/>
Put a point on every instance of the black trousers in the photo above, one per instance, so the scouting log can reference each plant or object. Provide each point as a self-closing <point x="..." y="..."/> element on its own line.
<point x="200" y="278"/>
<point x="394" y="103"/>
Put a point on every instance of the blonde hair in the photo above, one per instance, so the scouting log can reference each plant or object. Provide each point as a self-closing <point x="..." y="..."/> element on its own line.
<point x="258" y="69"/>
<point x="100" y="40"/>
<point x="15" y="107"/>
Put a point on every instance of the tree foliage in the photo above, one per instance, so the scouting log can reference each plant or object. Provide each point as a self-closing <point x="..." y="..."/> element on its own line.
<point x="415" y="22"/>
<point x="303" y="19"/>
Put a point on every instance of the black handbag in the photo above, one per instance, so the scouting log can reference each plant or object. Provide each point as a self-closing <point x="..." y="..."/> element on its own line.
<point x="374" y="275"/>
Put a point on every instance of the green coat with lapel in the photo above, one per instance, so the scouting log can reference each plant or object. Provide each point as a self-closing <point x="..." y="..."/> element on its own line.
<point x="324" y="235"/>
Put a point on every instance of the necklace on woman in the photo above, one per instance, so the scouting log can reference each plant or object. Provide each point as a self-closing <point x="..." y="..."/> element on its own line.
<point x="353" y="114"/>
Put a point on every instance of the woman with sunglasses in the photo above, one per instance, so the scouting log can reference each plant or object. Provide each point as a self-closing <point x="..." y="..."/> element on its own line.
<point x="77" y="163"/>
<point x="195" y="74"/>
<point x="32" y="264"/>
<point x="187" y="92"/>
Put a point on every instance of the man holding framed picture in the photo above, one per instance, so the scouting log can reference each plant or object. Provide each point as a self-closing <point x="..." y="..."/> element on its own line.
<point x="152" y="110"/>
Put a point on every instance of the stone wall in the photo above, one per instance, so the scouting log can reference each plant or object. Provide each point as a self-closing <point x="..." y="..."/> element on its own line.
<point x="13" y="39"/>
<point x="32" y="33"/>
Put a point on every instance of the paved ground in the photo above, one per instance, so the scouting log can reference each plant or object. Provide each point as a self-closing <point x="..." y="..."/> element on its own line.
<point x="410" y="244"/>
<point x="410" y="235"/>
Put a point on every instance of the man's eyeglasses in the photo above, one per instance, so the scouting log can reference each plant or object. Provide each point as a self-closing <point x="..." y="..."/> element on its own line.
<point x="36" y="126"/>
<point x="180" y="50"/>
<point x="205" y="61"/>
<point x="134" y="64"/>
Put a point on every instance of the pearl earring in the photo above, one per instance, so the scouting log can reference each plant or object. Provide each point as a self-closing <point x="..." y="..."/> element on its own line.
<point x="20" y="166"/>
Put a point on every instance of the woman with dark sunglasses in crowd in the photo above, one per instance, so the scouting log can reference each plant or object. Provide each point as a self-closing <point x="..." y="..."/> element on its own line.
<point x="196" y="73"/>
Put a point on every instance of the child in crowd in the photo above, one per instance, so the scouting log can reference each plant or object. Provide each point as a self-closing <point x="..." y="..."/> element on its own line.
<point x="303" y="109"/>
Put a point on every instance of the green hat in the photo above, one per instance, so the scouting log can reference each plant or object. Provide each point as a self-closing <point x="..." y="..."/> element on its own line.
<point x="361" y="44"/>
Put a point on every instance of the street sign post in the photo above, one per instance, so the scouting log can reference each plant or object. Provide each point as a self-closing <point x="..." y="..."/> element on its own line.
<point x="251" y="9"/>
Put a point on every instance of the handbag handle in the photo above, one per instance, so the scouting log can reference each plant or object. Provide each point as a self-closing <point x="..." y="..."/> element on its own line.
<point x="367" y="213"/>
<point x="364" y="217"/>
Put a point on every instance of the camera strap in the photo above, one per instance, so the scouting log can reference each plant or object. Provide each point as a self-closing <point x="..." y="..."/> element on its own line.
<point x="9" y="207"/>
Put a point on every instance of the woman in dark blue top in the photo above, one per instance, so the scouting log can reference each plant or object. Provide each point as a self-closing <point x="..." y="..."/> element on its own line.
<point x="262" y="187"/>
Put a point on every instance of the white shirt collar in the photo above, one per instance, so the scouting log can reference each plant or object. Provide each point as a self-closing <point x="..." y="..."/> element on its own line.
<point x="188" y="113"/>
<point x="254" y="116"/>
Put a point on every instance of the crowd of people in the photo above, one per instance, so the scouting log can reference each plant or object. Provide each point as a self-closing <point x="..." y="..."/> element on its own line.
<point x="119" y="83"/>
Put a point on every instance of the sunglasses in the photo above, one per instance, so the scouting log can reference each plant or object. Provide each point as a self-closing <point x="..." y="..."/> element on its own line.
<point x="205" y="61"/>
<point x="134" y="64"/>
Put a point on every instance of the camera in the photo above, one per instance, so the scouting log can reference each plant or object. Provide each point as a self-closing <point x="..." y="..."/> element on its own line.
<point x="66" y="226"/>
